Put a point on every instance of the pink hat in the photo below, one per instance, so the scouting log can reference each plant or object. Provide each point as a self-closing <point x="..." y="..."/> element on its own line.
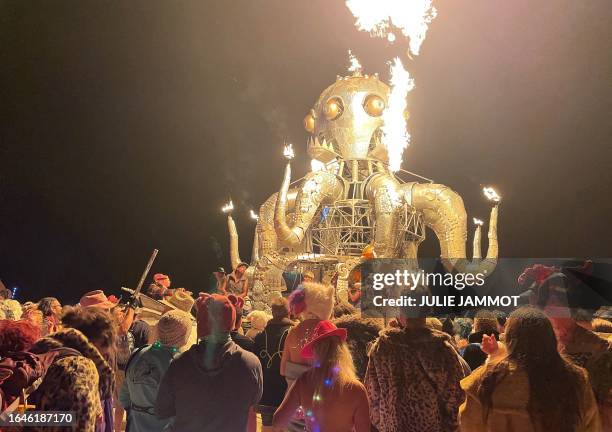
<point x="160" y="276"/>
<point x="324" y="329"/>
<point x="97" y="299"/>
<point x="216" y="314"/>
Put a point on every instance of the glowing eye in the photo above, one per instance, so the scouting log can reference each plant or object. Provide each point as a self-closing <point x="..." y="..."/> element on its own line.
<point x="374" y="105"/>
<point x="333" y="108"/>
<point x="309" y="122"/>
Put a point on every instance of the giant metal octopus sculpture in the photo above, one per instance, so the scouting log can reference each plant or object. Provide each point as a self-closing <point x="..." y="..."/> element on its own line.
<point x="323" y="221"/>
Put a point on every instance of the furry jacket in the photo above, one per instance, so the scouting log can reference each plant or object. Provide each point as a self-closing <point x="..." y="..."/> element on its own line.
<point x="361" y="333"/>
<point x="74" y="383"/>
<point x="413" y="381"/>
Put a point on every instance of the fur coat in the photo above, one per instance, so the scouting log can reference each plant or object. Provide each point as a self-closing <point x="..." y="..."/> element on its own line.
<point x="413" y="381"/>
<point x="74" y="383"/>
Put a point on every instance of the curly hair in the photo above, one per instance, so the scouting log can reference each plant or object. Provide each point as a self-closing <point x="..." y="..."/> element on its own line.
<point x="96" y="324"/>
<point x="17" y="335"/>
<point x="554" y="382"/>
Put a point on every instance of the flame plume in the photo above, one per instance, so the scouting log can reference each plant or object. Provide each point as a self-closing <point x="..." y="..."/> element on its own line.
<point x="395" y="134"/>
<point x="412" y="17"/>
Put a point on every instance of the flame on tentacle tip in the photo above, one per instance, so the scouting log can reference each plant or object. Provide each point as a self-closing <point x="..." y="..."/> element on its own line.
<point x="227" y="208"/>
<point x="288" y="151"/>
<point x="411" y="17"/>
<point x="491" y="194"/>
<point x="253" y="215"/>
<point x="478" y="222"/>
<point x="395" y="134"/>
<point x="355" y="66"/>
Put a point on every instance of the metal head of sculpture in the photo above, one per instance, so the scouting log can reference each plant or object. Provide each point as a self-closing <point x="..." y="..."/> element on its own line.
<point x="346" y="120"/>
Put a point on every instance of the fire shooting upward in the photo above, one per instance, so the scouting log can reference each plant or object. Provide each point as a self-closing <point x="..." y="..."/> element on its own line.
<point x="395" y="133"/>
<point x="355" y="65"/>
<point x="227" y="208"/>
<point x="412" y="17"/>
<point x="478" y="222"/>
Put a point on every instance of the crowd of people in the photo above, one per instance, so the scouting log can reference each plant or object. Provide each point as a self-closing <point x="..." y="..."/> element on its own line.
<point x="313" y="364"/>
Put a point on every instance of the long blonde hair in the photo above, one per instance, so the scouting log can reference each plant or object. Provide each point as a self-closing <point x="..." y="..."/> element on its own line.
<point x="333" y="365"/>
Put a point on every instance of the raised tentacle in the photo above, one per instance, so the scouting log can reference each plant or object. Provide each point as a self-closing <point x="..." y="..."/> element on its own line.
<point x="318" y="187"/>
<point x="444" y="212"/>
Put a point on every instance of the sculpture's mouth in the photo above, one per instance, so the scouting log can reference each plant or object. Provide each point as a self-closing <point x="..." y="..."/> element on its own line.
<point x="327" y="139"/>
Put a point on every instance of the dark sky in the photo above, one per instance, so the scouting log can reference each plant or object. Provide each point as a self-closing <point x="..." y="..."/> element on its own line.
<point x="125" y="125"/>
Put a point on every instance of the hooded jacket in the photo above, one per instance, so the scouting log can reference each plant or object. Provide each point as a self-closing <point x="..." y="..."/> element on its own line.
<point x="413" y="381"/>
<point x="210" y="388"/>
<point x="509" y="404"/>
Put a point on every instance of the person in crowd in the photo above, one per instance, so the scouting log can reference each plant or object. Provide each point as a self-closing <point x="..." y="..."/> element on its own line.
<point x="96" y="299"/>
<point x="36" y="317"/>
<point x="218" y="280"/>
<point x="236" y="334"/>
<point x="5" y="293"/>
<point x="236" y="282"/>
<point x="146" y="369"/>
<point x="268" y="346"/>
<point x="501" y="321"/>
<point x="18" y="368"/>
<point x="462" y="327"/>
<point x="361" y="333"/>
<point x="485" y="323"/>
<point x="556" y="295"/>
<point x="17" y="336"/>
<point x="258" y="320"/>
<point x="160" y="288"/>
<point x="413" y="376"/>
<point x="80" y="378"/>
<point x="100" y="328"/>
<point x="312" y="302"/>
<point x="330" y="393"/>
<point x="132" y="334"/>
<point x="308" y="276"/>
<point x="51" y="309"/>
<point x="530" y="386"/>
<point x="342" y="308"/>
<point x="213" y="386"/>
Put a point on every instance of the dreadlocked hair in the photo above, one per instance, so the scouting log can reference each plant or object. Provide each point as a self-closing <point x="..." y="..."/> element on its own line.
<point x="554" y="382"/>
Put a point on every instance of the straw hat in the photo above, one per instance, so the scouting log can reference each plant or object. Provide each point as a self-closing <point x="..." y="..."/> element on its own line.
<point x="180" y="300"/>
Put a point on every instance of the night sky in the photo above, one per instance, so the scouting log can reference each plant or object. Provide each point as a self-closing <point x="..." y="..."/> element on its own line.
<point x="124" y="126"/>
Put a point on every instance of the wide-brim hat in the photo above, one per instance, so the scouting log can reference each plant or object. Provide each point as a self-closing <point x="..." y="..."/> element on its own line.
<point x="180" y="300"/>
<point x="324" y="329"/>
<point x="97" y="299"/>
